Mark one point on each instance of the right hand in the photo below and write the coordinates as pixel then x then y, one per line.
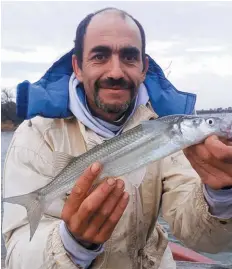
pixel 91 216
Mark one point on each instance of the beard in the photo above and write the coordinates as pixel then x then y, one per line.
pixel 111 108
pixel 108 84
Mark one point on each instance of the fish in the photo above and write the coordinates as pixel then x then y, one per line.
pixel 125 154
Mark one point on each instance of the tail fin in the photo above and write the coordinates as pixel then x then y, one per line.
pixel 35 206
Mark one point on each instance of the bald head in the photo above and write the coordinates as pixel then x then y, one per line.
pixel 111 11
pixel 113 15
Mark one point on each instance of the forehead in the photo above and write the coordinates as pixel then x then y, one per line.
pixel 110 29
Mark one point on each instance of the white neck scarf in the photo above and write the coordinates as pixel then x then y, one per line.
pixel 80 110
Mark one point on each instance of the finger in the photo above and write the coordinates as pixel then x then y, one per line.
pixel 210 175
pixel 219 149
pixel 206 178
pixel 108 227
pixel 89 207
pixel 104 212
pixel 202 152
pixel 93 187
pixel 229 142
pixel 80 190
pixel 204 157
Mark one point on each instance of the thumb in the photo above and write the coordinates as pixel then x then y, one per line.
pixel 218 149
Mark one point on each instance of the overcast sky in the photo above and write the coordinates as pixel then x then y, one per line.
pixel 194 37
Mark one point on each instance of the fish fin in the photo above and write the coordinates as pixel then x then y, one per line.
pixel 151 125
pixel 136 177
pixel 35 206
pixel 61 160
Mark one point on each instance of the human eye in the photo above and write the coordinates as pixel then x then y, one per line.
pixel 100 57
pixel 130 58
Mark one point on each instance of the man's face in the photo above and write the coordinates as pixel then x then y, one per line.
pixel 112 67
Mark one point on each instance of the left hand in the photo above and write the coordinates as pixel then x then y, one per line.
pixel 212 160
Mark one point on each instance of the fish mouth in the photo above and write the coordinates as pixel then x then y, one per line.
pixel 227 129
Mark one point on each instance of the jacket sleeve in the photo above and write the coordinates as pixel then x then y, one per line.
pixel 185 209
pixel 219 201
pixel 78 253
pixel 28 167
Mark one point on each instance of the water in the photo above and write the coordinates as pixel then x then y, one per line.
pixel 5 141
pixel 224 257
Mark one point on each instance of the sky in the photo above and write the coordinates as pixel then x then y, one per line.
pixel 191 41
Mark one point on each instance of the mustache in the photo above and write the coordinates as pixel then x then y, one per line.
pixel 113 83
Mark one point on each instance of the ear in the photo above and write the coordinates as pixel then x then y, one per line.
pixel 77 70
pixel 146 66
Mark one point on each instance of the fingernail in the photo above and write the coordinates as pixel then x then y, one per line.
pixel 125 195
pixel 120 184
pixel 95 167
pixel 111 181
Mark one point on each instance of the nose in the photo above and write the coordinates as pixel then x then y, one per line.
pixel 116 71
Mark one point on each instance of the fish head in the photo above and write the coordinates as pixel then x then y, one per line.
pixel 197 128
pixel 226 126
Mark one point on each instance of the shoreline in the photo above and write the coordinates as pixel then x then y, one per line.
pixel 8 126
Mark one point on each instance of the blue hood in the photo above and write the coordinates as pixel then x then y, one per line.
pixel 49 96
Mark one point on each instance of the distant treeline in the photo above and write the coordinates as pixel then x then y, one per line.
pixel 8 111
pixel 215 110
pixel 9 119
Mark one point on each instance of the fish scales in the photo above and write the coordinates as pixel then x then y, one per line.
pixel 103 152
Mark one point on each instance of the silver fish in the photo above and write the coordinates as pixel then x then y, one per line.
pixel 127 153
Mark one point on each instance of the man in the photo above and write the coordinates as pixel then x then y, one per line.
pixel 110 87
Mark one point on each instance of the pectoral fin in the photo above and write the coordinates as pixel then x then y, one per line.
pixel 61 160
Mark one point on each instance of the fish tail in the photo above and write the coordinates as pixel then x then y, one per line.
pixel 34 203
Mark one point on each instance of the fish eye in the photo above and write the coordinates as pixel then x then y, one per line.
pixel 210 121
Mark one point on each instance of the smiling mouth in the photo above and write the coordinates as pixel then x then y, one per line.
pixel 114 88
